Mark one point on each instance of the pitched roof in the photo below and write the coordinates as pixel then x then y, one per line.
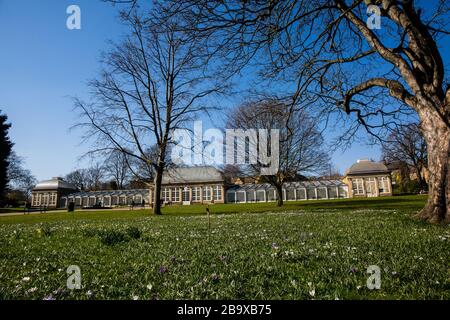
pixel 109 193
pixel 192 175
pixel 54 184
pixel 367 167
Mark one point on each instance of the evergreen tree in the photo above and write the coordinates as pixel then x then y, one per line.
pixel 5 151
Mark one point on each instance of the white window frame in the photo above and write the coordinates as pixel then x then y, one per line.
pixel 196 194
pixel 207 193
pixel 358 186
pixel 383 184
pixel 52 201
pixel 165 194
pixel 217 191
pixel 175 195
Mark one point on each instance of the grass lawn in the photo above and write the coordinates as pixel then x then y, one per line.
pixel 307 250
pixel 10 210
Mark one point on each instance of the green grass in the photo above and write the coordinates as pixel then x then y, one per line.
pixel 309 250
pixel 411 203
pixel 10 210
pixel 20 210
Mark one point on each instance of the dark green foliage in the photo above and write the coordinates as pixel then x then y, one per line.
pixel 407 187
pixel 112 237
pixel 5 151
pixel 133 232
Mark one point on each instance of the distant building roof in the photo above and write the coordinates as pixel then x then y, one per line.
pixel 192 175
pixel 289 185
pixel 365 166
pixel 110 193
pixel 54 184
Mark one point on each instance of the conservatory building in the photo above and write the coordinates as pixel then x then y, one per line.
pixel 368 178
pixel 186 185
pixel 107 199
pixel 50 192
pixel 206 184
pixel 292 191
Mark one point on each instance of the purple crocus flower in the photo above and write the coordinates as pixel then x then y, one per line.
pixel 215 277
pixel 163 269
pixel 353 270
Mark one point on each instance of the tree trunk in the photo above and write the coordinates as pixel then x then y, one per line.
pixel 422 182
pixel 157 195
pixel 437 136
pixel 279 190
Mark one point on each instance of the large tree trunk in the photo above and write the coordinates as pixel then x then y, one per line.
pixel 437 136
pixel 157 195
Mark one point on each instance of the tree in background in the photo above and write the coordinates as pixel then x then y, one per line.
pixel 89 179
pixel 407 147
pixel 5 152
pixel 152 83
pixel 117 169
pixel 231 172
pixel 95 177
pixel 332 172
pixel 302 149
pixel 20 180
pixel 78 179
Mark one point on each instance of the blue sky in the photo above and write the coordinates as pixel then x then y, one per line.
pixel 43 64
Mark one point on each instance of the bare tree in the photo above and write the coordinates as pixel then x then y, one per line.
pixel 116 167
pixel 89 179
pixel 231 172
pixel 153 82
pixel 301 148
pixel 78 179
pixel 406 145
pixel 95 176
pixel 377 77
pixel 20 178
pixel 15 168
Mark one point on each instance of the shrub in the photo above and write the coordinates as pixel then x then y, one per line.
pixel 112 237
pixel 133 232
pixel 408 187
